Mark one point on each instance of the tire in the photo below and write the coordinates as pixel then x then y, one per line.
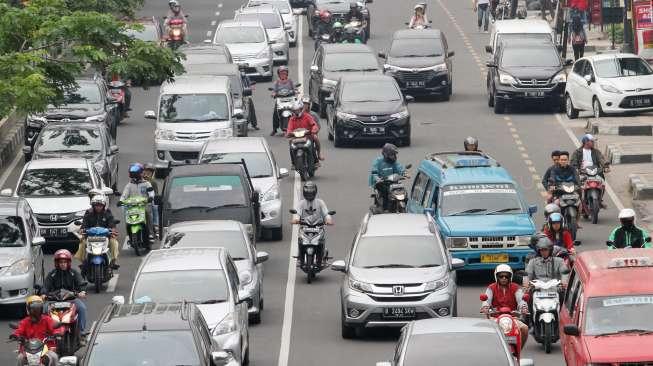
pixel 596 108
pixel 547 339
pixel 454 312
pixel 309 264
pixel 499 107
pixel 276 233
pixel 401 207
pixel 594 207
pixel 446 97
pixel 337 142
pixel 255 318
pixel 246 355
pixel 97 278
pixel 405 141
pixel 572 225
pixel 330 136
pixel 321 107
pixel 572 113
pixel 252 114
pixel 347 332
pixel 133 240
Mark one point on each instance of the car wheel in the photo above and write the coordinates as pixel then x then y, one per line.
pixel 572 113
pixel 348 332
pixel 322 108
pixel 596 108
pixel 499 106
pixel 405 141
pixel 276 233
pixel 255 318
pixel 330 135
pixel 336 140
pixel 246 355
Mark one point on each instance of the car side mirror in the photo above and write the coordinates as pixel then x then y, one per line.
pixel 369 1
pixel 243 297
pixel 112 100
pixel 569 62
pixel 451 53
pixel 532 209
pixel 287 27
pixel 272 41
pixel 488 49
pixel 329 100
pixel 315 68
pixel 588 79
pixel 384 363
pixel 283 172
pixel 331 213
pixel 149 115
pixel 113 149
pixel 490 64
pixel 238 114
pixel 107 191
pixel 6 192
pixel 262 257
pixel 27 150
pixel 68 361
pixel 37 241
pixel 457 263
pixel 409 98
pixel 382 55
pixel 571 329
pixel 339 266
pixel 247 92
pixel 118 300
pixel 299 11
pixel 220 358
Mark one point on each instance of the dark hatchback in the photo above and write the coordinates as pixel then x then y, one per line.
pixel 211 192
pixel 368 107
pixel 421 62
pixel 526 71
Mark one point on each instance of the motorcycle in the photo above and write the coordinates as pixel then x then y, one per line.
pixel 64 312
pixel 567 198
pixel 98 257
pixel 311 240
pixel 284 100
pixel 397 194
pixel 592 190
pixel 135 217
pixel 611 246
pixel 502 11
pixel 354 32
pixel 176 32
pixel 505 318
pixel 117 90
pixel 36 351
pixel 302 149
pixel 545 310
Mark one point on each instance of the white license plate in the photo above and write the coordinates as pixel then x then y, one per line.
pixel 415 84
pixel 640 102
pixel 399 312
pixel 534 94
pixel 546 294
pixel 58 232
pixel 374 130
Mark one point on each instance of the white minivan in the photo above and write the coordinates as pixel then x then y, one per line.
pixel 518 28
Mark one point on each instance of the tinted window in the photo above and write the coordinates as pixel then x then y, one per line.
pixel 148 34
pixel 422 349
pixel 530 57
pixel 480 199
pixel 416 48
pixel 373 91
pixel 618 314
pixel 240 35
pixel 398 251
pixel 174 286
pixel 69 140
pixel 206 191
pixel 620 67
pixel 520 36
pixel 258 163
pixel 55 182
pixel 87 93
pixel 193 108
pixel 578 67
pixel 269 20
pixel 144 348
pixel 232 240
pixel 12 232
pixel 359 61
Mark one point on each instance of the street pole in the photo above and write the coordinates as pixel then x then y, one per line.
pixel 628 28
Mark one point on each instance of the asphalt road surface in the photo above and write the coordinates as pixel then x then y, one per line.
pixel 301 322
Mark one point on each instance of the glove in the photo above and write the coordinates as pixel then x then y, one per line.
pixel 13 337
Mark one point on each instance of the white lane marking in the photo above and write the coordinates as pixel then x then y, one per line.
pixel 208 33
pixel 10 169
pixel 217 13
pixel 286 329
pixel 111 286
pixel 574 139
pixel 125 244
pixel 213 23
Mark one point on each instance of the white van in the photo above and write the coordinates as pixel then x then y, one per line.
pixel 191 110
pixel 519 28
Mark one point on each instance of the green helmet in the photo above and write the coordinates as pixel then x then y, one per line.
pixel 337 25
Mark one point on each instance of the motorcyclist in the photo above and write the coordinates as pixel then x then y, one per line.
pixel 283 82
pixel 384 166
pixel 174 12
pixel 545 265
pixel 307 109
pixel 137 186
pixel 337 32
pixel 128 92
pixel 148 175
pixel 324 23
pixel 555 157
pixel 63 276
pixel 310 208
pixel 548 210
pixel 558 234
pixel 628 235
pixel 563 173
pixel 99 216
pixel 300 119
pixel 588 155
pixel 471 144
pixel 419 17
pixel 35 326
pixel 355 13
pixel 504 293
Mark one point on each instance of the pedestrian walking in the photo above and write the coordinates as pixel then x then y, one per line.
pixel 578 37
pixel 482 9
pixel 547 5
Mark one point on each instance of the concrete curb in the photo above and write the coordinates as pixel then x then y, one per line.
pixel 641 186
pixel 619 126
pixel 12 140
pixel 629 153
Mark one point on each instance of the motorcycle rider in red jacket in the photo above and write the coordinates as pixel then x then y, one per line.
pixel 35 326
pixel 300 119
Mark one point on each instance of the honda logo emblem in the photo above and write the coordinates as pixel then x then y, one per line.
pixel 373 118
pixel 398 290
pixel 54 217
pixel 65 120
pixel 638 90
pixel 192 137
pixel 534 81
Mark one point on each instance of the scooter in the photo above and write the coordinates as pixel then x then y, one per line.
pixel 566 196
pixel 284 101
pixel 64 312
pixel 302 150
pixel 36 351
pixel 176 32
pixel 135 217
pixel 117 90
pixel 311 240
pixel 98 257
pixel 505 318
pixel 545 310
pixel 354 32
pixel 397 194
pixel 592 190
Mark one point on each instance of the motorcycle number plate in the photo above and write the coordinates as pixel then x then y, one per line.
pixel 549 294
pixel 399 312
pixel 568 197
pixel 494 258
pixel 60 305
pixel 415 84
pixel 54 232
pixel 374 130
pixel 310 230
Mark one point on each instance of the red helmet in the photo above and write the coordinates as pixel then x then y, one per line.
pixel 325 16
pixel 65 255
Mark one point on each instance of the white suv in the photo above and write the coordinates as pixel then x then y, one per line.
pixel 274 27
pixel 609 83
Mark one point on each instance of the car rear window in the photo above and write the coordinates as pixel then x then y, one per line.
pixel 210 191
pixel 422 349
pixel 144 348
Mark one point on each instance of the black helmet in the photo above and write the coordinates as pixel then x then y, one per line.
pixel 353 6
pixel 309 191
pixel 389 153
pixel 469 141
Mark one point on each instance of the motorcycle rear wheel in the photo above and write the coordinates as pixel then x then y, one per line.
pixel 594 210
pixel 310 271
pixel 98 272
pixel 135 243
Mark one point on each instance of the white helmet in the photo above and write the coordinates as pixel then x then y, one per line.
pixel 419 6
pixel 298 108
pixel 502 268
pixel 551 208
pixel 627 213
pixel 99 199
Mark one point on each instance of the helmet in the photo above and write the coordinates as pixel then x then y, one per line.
pixel 148 166
pixel 470 141
pixel 419 7
pixel 353 6
pixel 325 16
pixel 309 191
pixel 298 108
pixel 99 199
pixel 337 25
pixel 555 217
pixel 389 152
pixel 551 208
pixel 281 69
pixel 587 137
pixel 544 243
pixel 627 213
pixel 135 170
pixel 172 3
pixel 502 268
pixel 34 302
pixel 63 254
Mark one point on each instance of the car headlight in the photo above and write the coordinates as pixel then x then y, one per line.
pixel 80 213
pixel 506 79
pixel 360 286
pixel 226 325
pixel 98 118
pixel 456 242
pixel 344 115
pixel 436 285
pixel 223 132
pixel 523 241
pixel 329 83
pixel 245 277
pixel 271 195
pixel 560 77
pixel 35 121
pixel 19 267
pixel 265 53
pixel 163 134
pixel 440 67
pixel 401 114
pixel 610 89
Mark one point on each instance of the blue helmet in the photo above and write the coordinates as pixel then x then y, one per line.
pixel 587 137
pixel 555 217
pixel 135 170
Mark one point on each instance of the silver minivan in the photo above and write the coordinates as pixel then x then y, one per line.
pixel 249 46
pixel 274 27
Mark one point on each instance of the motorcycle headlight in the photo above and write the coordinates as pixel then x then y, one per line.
pixel 505 324
pixel 568 189
pixel 271 195
pixel 265 53
pixel 401 114
pixel 610 89
pixel 226 325
pixel 560 77
pixel 456 242
pixel 343 115
pixel 436 285
pixel 506 79
pixel 98 118
pixel 176 32
pixel 223 132
pixel 35 121
pixel 328 83
pixel 17 268
pixel 163 134
pixel 245 277
pixel 547 304
pixel 360 286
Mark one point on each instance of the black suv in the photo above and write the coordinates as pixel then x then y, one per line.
pixel 90 102
pixel 152 334
pixel 420 61
pixel 526 71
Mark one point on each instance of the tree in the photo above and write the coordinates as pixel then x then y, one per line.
pixel 46 44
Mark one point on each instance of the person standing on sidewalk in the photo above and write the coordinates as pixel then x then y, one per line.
pixel 578 37
pixel 547 5
pixel 481 7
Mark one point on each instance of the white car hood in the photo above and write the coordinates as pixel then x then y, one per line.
pixel 214 313
pixel 10 255
pixel 276 33
pixel 246 48
pixel 263 185
pixel 630 82
pixel 194 126
pixel 288 19
pixel 52 205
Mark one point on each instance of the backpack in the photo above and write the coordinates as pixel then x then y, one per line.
pixel 577 39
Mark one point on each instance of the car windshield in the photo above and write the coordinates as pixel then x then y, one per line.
pixel 398 251
pixel 350 61
pixel 148 34
pixel 86 93
pixel 206 191
pixel 175 286
pixel 488 348
pixel 622 67
pixel 232 240
pixel 139 348
pixel 203 58
pixel 185 108
pixel 530 57
pixel 12 231
pixel 619 314
pixel 416 47
pixel 370 91
pixel 258 163
pixel 240 35
pixel 501 37
pixel 207 68
pixel 480 199
pixel 269 20
pixel 55 182
pixel 69 140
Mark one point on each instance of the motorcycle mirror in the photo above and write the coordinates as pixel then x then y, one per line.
pixel 577 242
pixel 648 240
pixel 220 358
pixel 271 89
pixel 406 23
pixel 332 213
pixel 262 257
pixel 298 85
pixel 409 166
pixel 483 297
pixel 571 330
pixel 293 211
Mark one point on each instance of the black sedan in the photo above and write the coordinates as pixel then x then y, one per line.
pixel 368 107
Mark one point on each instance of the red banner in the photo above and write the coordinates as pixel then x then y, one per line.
pixel 642 15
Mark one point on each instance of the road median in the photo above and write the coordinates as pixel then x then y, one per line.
pixel 12 130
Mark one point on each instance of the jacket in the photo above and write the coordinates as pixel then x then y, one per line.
pixel 564 240
pixel 633 237
pixel 39 330
pixel 577 158
pixel 547 176
pixel 511 297
pixel 283 84
pixel 105 219
pixel 137 189
pixel 70 280
pixel 566 174
pixel 381 169
pixel 549 268
pixel 304 121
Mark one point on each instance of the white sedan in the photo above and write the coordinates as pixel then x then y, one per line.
pixel 289 19
pixel 609 84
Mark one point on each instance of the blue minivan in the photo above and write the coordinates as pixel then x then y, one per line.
pixel 478 207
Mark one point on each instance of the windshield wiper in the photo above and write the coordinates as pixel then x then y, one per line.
pixel 188 208
pixel 221 206
pixel 61 151
pixel 238 258
pixel 502 210
pixel 469 211
pixel 626 331
pixel 429 265
pixel 212 301
pixel 260 176
pixel 391 265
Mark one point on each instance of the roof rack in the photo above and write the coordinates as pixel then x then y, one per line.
pixel 440 158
